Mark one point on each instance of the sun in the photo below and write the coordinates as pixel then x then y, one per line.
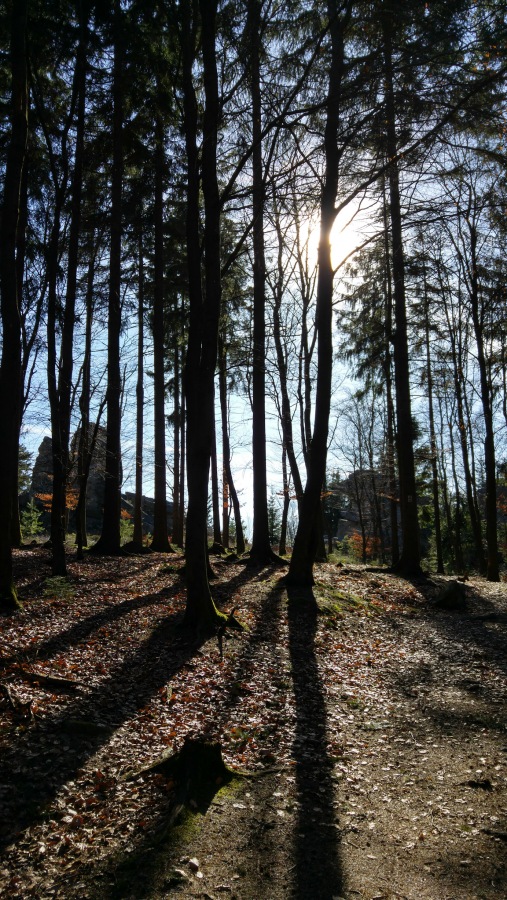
pixel 348 235
pixel 350 232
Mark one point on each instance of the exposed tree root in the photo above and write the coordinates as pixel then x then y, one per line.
pixel 267 558
pixel 198 772
pixel 52 681
pixel 136 548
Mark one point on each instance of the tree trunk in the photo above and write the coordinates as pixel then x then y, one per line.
pixel 137 536
pixel 391 418
pixel 61 400
pixel 201 613
pixel 410 559
pixel 445 490
pixel 493 572
pixel 57 531
pixel 160 540
pixel 177 535
pixel 260 552
pixel 282 547
pixel 281 358
pixel 305 544
pixel 458 517
pixel 109 541
pixel 215 498
pixel 433 438
pixel 84 455
pixel 457 350
pixel 10 368
pixel 226 449
pixel 182 473
pixel 20 271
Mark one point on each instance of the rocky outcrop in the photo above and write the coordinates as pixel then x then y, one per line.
pixel 41 487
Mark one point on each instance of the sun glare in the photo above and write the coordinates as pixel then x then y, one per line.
pixel 348 234
pixel 344 240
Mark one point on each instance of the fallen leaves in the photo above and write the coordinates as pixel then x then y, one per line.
pixel 111 684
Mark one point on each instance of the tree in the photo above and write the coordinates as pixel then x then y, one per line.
pixel 10 366
pixel 410 559
pixel 137 536
pixel 160 540
pixel 201 613
pixel 229 485
pixel 471 215
pixel 60 367
pixel 274 518
pixel 305 544
pixel 260 552
pixel 109 541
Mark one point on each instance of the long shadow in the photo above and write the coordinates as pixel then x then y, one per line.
pixel 154 856
pixel 318 863
pixel 461 707
pixel 480 627
pixel 36 767
pixel 83 628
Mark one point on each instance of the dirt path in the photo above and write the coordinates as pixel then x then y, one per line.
pixel 404 794
pixel 376 725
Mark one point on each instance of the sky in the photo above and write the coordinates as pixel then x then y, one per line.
pixel 346 236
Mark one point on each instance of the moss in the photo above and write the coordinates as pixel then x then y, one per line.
pixel 336 603
pixel 155 867
pixel 58 587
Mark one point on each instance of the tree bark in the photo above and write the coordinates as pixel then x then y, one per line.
pixel 458 516
pixel 410 559
pixel 215 498
pixel 391 418
pixel 10 367
pixel 61 386
pixel 109 541
pixel 160 540
pixel 281 358
pixel 433 438
pixel 84 447
pixel 305 544
pixel 137 536
pixel 20 271
pixel 260 552
pixel 457 349
pixel 282 546
pixel 226 450
pixel 493 571
pixel 200 613
pixel 178 445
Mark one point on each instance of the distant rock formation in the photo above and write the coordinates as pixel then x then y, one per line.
pixel 96 477
pixel 41 487
pixel 42 475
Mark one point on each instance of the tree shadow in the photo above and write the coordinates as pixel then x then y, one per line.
pixel 36 767
pixel 151 866
pixel 43 757
pixel 452 691
pixel 318 863
pixel 84 628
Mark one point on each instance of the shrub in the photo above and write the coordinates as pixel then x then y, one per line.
pixel 31 521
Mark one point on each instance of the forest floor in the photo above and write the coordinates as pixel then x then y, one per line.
pixel 373 726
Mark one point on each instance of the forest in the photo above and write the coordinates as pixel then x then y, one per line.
pixel 172 175
pixel 264 237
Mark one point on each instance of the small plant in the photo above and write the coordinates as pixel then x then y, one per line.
pixel 31 521
pixel 126 527
pixel 58 587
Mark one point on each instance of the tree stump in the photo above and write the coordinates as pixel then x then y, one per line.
pixel 198 772
pixel 452 597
